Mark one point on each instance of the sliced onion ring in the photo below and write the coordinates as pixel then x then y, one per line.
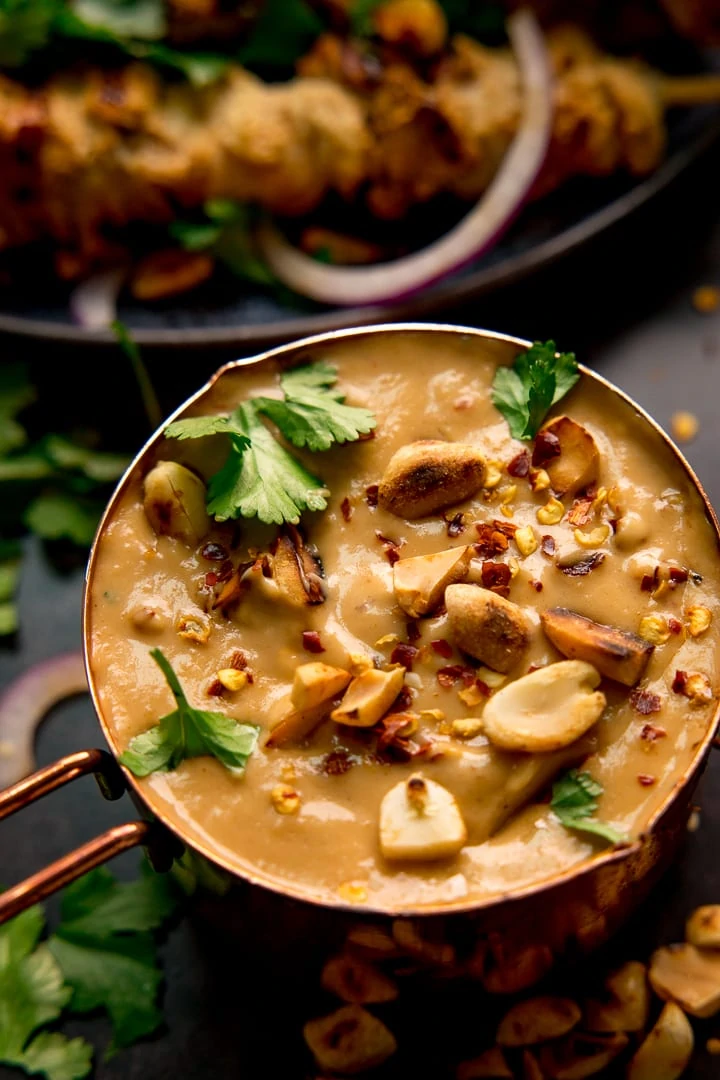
pixel 470 238
pixel 93 303
pixel 26 701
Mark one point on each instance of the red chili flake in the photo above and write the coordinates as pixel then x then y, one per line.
pixel 581 511
pixel 465 401
pixel 483 687
pixel 456 525
pixel 392 548
pixel 337 763
pixel 496 577
pixel 492 541
pixel 216 688
pixel 519 467
pixel 366 436
pixel 346 509
pixel 648 582
pixel 442 648
pixel 371 496
pixel 238 660
pixel 679 684
pixel 646 780
pixel 403 701
pixel 583 566
pixel 311 641
pixel 645 702
pixel 674 625
pixel 537 586
pixel 533 667
pixel 413 631
pixel 227 569
pixel 405 655
pixel 448 676
pixel 547 545
pixel 651 732
pixel 678 575
pixel 211 579
pixel 389 729
pixel 547 447
pixel 214 552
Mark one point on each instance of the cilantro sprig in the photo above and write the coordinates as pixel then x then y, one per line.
pixel 260 478
pixel 187 732
pixel 102 955
pixel 574 801
pixel 525 392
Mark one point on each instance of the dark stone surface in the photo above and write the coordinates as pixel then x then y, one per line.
pixel 624 304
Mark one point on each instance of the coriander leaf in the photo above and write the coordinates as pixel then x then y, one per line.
pixel 574 800
pixel 118 973
pixel 195 236
pixel 283 31
pixel 229 237
pixel 57 516
pixel 96 465
pixel 187 732
pixel 125 18
pixel 536 381
pixel 199 68
pixel 25 26
pixel 198 427
pixel 312 414
pixel 32 993
pixel 15 391
pixel 57 1057
pixel 96 903
pixel 262 480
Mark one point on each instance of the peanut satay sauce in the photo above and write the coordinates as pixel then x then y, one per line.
pixel 420 386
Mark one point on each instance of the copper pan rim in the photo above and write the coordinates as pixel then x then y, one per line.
pixel 251 875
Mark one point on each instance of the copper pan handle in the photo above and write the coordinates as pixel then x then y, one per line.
pixel 99 850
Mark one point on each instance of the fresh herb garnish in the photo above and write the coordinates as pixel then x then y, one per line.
pixel 260 478
pixel 101 956
pixel 227 234
pixel 525 392
pixel 33 993
pixel 106 949
pixel 282 32
pixel 187 732
pixel 132 26
pixel 574 800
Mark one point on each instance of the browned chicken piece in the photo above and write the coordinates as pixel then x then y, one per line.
pixel 92 152
pixel 102 149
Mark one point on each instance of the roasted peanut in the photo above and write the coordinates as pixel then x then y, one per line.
pixel 420 819
pixel 174 502
pixel 426 476
pixel 688 976
pixel 420 582
pixel 666 1052
pixel 349 1041
pixel 578 462
pixel 615 653
pixel 538 1020
pixel 487 626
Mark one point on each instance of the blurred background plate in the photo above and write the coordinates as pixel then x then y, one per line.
pixel 232 314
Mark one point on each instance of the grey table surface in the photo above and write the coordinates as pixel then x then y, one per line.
pixel 624 304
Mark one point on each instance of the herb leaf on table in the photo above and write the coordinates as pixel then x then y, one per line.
pixel 574 801
pixel 106 950
pixel 32 994
pixel 187 732
pixel 537 380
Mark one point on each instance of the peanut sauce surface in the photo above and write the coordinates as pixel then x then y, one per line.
pixel 420 386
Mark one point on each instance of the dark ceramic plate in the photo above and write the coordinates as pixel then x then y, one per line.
pixel 229 313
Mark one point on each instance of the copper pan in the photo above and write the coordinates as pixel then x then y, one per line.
pixel 507 942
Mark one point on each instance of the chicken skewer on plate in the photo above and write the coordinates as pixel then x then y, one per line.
pixel 93 151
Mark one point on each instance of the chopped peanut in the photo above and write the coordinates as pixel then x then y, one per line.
pixel 698 619
pixel 354 892
pixel 698 688
pixel 285 799
pixel 232 679
pixel 551 513
pixel 194 628
pixel 467 728
pixel 493 475
pixel 539 479
pixel 654 629
pixel 471 696
pixel 526 540
pixel 387 639
pixel 594 538
pixel 507 494
pixel 685 426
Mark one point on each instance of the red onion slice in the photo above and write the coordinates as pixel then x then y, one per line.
pixel 26 701
pixel 93 303
pixel 475 234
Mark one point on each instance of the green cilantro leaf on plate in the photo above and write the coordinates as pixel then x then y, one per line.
pixel 32 994
pixel 107 952
pixel 56 515
pixel 187 732
pixel 525 392
pixel 574 801
pixel 16 393
pixel 145 19
pixel 25 27
pixel 227 234
pixel 262 480
pixel 313 414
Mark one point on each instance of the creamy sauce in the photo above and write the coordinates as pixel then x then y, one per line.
pixel 420 386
